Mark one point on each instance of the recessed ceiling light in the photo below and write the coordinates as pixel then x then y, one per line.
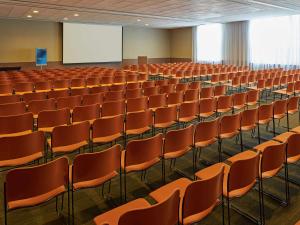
pixel 66 18
pixel 29 16
pixel 139 20
pixel 76 14
pixel 146 24
pixel 35 11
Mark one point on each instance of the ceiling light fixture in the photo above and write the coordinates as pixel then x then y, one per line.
pixel 139 20
pixel 76 14
pixel 35 11
pixel 271 5
pixel 29 16
pixel 146 24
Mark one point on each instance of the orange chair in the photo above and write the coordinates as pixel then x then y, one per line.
pixel 69 102
pixel 195 85
pixel 148 84
pixel 32 186
pixel 252 98
pixel 92 99
pixel 207 92
pixel 224 104
pixel 61 85
pixel 134 85
pixel 6 89
pixel 182 87
pixel 134 93
pixel 38 106
pixel 175 98
pixel 187 112
pixel 42 86
pixel 136 104
pixel 20 150
pixel 58 94
pixel 49 119
pixel 107 129
pixel 77 83
pixel 92 82
pixel 176 144
pixel 249 121
pixel 206 134
pixel 23 88
pixel 100 89
pixel 166 89
pixel 165 117
pixel 279 112
pixel 292 108
pixel 148 91
pixel 69 138
pixel 229 126
pixel 140 155
pixel 114 96
pixel 28 97
pixel 265 115
pixel 80 91
pixel 239 101
pixel 91 170
pixel 86 113
pixel 207 108
pixel 9 99
pixel 157 101
pixel 12 109
pixel 16 125
pixel 110 109
pixel 220 90
pixel 191 95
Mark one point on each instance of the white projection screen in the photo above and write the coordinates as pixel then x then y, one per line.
pixel 91 43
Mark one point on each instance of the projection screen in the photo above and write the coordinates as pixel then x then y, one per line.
pixel 91 43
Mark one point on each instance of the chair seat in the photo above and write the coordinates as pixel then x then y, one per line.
pixel 176 154
pixel 270 173
pixel 112 217
pixel 283 137
pixel 223 110
pixel 279 116
pixel 208 172
pixel 248 127
pixel 262 146
pixel 264 121
pixel 33 201
pixel 67 148
pixel 206 115
pixel 228 135
pixel 296 130
pixel 107 138
pixel 21 160
pixel 137 131
pixel 16 134
pixel 186 119
pixel 202 144
pixel 46 129
pixel 164 125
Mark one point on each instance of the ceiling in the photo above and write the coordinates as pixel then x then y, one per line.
pixel 152 13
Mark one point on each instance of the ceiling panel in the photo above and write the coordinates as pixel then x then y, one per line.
pixel 155 13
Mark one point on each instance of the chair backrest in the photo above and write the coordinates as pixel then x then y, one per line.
pixel 203 194
pixel 207 92
pixel 239 99
pixel 42 86
pixel 10 99
pixel 273 157
pixel 191 95
pixel 280 107
pixel 138 120
pixel 207 105
pixel 136 104
pixel 265 112
pixel 195 85
pixel 34 96
pixel 108 126
pixel 169 88
pixel 163 213
pixel 24 87
pixel 22 149
pixel 34 181
pixel 84 113
pixel 70 134
pixel 156 101
pixel 175 98
pixel 224 102
pixel 53 118
pixel 182 87
pixel 147 84
pixel 229 124
pixel 188 109
pixel 58 94
pixel 77 82
pixel 113 108
pixel 206 131
pixel 145 150
pixel 165 115
pixel 98 165
pixel 12 109
pixel 179 140
pixel 249 117
pixel 133 93
pixel 6 89
pixel 293 145
pixel 243 172
pixel 92 99
pixel 79 91
pixel 135 85
pixel 16 124
pixel 38 106
pixel 69 102
pixel 219 90
pixel 61 84
pixel 252 96
pixel 293 104
pixel 114 96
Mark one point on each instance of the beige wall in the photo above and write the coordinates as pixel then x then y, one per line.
pixel 154 43
pixel 18 40
pixel 181 43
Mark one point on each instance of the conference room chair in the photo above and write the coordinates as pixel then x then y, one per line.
pixel 13 109
pixel 92 82
pixel 133 78
pixel 98 89
pixel 107 80
pixel 206 134
pixel 241 173
pixel 86 113
pixel 176 144
pixel 141 155
pixel 148 84
pixel 63 84
pixel 161 82
pixel 119 79
pixel 220 90
pixel 173 81
pixel 136 104
pixel 77 83
pixel 16 125
pixel 182 87
pixel 292 108
pixel 239 101
pixel 229 127
pixel 139 211
pixel 5 99
pixel 287 92
pixel 175 98
pixel 207 108
pixel 34 96
pixel 166 89
pixel 114 108
pixel 49 119
pixel 91 99
pixel 235 83
pixel 6 89
pixel 107 130
pixel 252 98
pixel 265 115
pixel 279 112
pixel 69 138
pixel 223 78
pixel 32 186
pixel 58 94
pixel 114 96
pixel 207 92
pixel 134 93
pixel 20 150
pixel 165 118
pixel 157 101
pixel 149 91
pixel 42 86
pixel 214 79
pixel 37 106
pixel 297 87
pixel 224 104
pixel 23 87
pixel 195 85
pixel 69 102
pixel 91 170
pixel 191 95
pixel 272 160
pixel 80 91
pixel 249 122
pixel 283 81
pixel 133 85
pixel 187 112
pixel 117 87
